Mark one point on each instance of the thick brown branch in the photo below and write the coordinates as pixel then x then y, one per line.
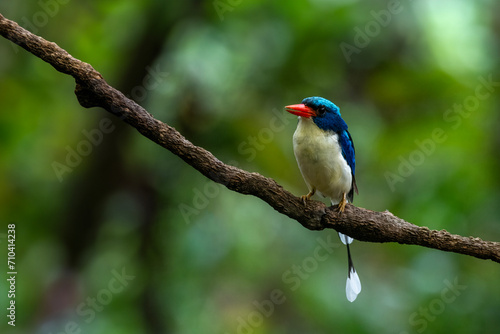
pixel 362 224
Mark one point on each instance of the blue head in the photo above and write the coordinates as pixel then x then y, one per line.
pixel 324 113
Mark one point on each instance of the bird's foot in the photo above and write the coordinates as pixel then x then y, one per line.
pixel 342 204
pixel 307 197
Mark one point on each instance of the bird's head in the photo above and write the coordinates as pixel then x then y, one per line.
pixel 324 113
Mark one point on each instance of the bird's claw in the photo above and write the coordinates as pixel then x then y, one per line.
pixel 307 197
pixel 304 199
pixel 342 204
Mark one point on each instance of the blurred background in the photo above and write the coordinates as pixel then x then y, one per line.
pixel 117 235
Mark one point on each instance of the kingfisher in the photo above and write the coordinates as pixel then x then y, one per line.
pixel 325 154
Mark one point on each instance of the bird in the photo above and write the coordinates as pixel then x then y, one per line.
pixel 325 154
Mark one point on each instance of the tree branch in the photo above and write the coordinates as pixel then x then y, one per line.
pixel 362 224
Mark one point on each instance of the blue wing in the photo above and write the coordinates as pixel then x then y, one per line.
pixel 348 153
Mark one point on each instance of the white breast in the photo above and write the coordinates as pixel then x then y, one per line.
pixel 320 160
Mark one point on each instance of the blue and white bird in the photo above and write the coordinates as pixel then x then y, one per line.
pixel 325 154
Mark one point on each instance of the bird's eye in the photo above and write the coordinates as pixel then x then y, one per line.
pixel 321 110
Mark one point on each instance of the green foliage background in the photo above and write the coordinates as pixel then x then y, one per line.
pixel 204 259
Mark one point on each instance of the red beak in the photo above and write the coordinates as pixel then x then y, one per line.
pixel 300 110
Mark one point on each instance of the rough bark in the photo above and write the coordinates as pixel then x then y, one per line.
pixel 362 224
